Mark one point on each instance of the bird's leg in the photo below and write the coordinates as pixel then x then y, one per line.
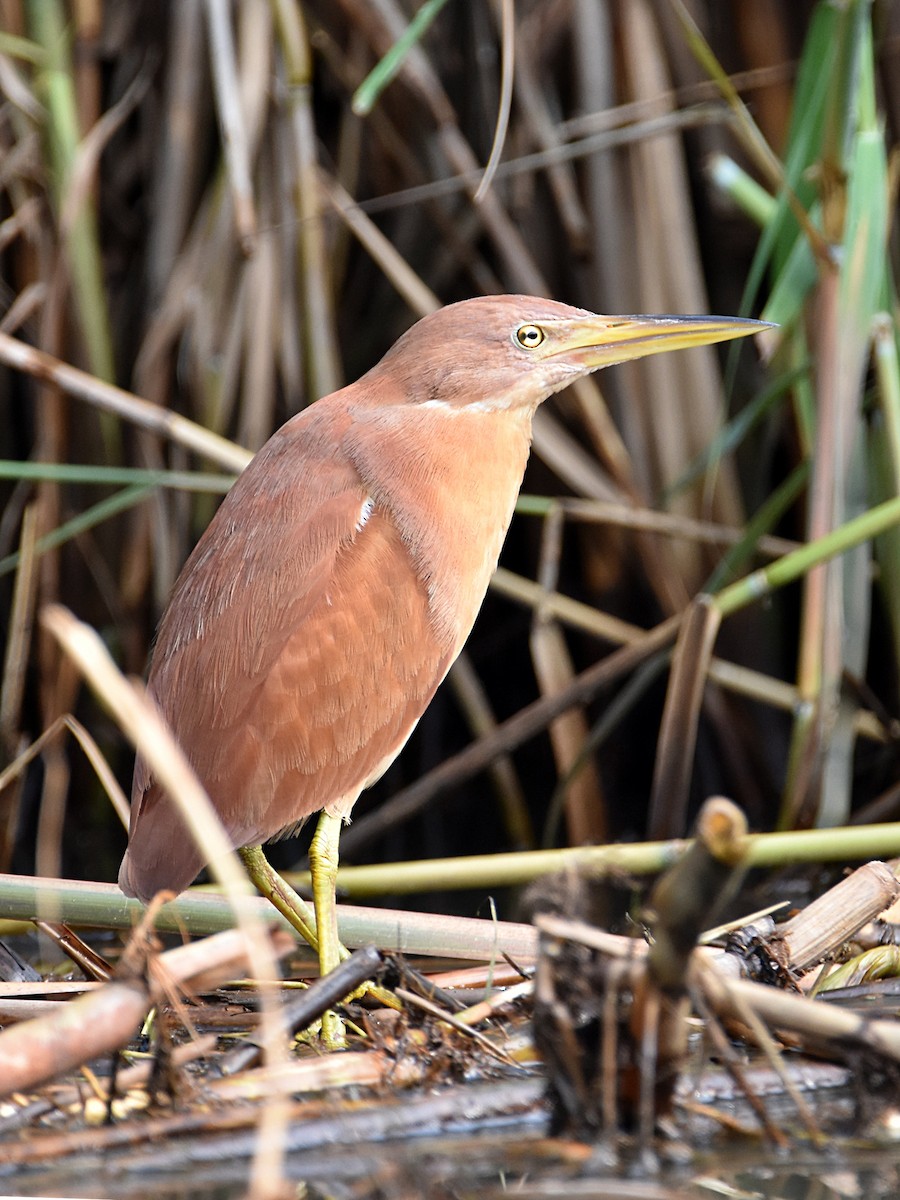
pixel 277 891
pixel 323 865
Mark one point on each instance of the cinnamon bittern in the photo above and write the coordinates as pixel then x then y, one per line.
pixel 342 574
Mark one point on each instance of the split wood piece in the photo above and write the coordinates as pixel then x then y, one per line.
pixel 832 919
pixel 36 1051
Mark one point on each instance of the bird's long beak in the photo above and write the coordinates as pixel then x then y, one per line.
pixel 596 341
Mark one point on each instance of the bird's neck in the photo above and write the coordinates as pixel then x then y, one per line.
pixel 449 478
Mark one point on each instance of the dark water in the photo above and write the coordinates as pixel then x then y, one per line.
pixel 353 1157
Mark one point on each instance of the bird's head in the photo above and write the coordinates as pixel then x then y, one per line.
pixel 506 352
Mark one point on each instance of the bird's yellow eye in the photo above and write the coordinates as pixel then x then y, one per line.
pixel 529 337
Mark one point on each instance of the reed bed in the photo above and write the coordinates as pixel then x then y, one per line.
pixel 205 225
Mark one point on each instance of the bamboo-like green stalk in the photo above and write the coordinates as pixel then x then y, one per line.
pixel 102 905
pixel 887 374
pixel 790 568
pixel 836 601
pixel 366 95
pixel 844 844
pixel 744 191
pixel 887 463
pixel 22 48
pixel 102 476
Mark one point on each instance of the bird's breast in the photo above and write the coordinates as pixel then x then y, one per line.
pixel 449 478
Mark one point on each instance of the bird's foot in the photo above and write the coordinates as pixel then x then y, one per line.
pixel 333 1032
pixel 374 991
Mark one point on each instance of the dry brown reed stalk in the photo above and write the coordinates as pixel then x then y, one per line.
pixel 472 699
pixel 585 807
pixel 18 635
pixel 681 717
pixel 686 393
pixel 92 752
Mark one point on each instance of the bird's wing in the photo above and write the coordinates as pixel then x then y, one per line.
pixel 293 663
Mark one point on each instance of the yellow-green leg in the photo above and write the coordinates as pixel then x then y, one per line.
pixel 277 891
pixel 323 862
pixel 323 865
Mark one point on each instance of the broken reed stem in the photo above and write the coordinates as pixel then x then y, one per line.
pixel 677 741
pixel 837 915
